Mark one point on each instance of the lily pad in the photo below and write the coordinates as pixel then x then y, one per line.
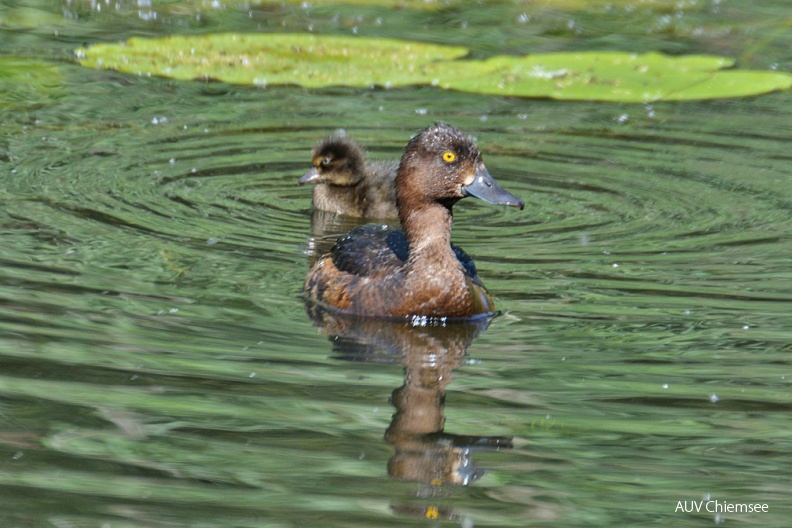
pixel 615 76
pixel 261 59
pixel 316 61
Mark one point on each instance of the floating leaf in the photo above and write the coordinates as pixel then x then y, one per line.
pixel 320 61
pixel 615 76
pixel 400 4
pixel 733 83
pixel 261 59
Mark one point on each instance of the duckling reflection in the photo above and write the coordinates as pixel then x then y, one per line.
pixel 423 452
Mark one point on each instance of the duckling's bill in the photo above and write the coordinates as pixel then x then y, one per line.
pixel 310 176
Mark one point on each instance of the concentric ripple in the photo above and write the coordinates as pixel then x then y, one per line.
pixel 152 321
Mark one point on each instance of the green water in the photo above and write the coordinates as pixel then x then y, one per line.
pixel 158 367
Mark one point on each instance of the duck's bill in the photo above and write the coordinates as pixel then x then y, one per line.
pixel 309 177
pixel 486 188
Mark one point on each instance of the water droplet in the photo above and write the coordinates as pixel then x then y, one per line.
pixel 421 111
pixel 714 398
pixel 665 385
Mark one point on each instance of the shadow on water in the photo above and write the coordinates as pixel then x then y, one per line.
pixel 424 453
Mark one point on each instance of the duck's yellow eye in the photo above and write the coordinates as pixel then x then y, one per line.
pixel 448 156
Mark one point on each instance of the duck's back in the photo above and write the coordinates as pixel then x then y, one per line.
pixel 378 190
pixel 380 250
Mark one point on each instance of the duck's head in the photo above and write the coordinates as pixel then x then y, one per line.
pixel 441 164
pixel 336 160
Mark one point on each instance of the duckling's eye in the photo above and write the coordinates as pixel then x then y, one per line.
pixel 327 160
pixel 449 156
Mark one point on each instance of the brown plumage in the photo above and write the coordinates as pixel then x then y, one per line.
pixel 348 184
pixel 367 274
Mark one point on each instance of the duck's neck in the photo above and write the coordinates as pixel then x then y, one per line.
pixel 428 230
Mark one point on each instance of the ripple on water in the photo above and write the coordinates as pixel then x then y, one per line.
pixel 165 271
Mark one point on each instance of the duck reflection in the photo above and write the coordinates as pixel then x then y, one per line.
pixel 423 452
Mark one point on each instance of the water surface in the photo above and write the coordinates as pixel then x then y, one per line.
pixel 158 367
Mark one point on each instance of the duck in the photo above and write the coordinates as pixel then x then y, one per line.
pixel 414 273
pixel 346 183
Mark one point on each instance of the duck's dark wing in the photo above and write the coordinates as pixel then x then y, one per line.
pixel 366 252
pixel 375 250
pixel 467 263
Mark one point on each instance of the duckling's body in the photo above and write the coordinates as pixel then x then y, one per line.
pixel 368 273
pixel 348 184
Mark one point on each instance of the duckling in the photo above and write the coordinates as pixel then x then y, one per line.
pixel 366 274
pixel 348 184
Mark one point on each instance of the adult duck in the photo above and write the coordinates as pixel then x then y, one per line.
pixel 367 274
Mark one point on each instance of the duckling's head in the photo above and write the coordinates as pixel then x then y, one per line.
pixel 443 165
pixel 336 160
